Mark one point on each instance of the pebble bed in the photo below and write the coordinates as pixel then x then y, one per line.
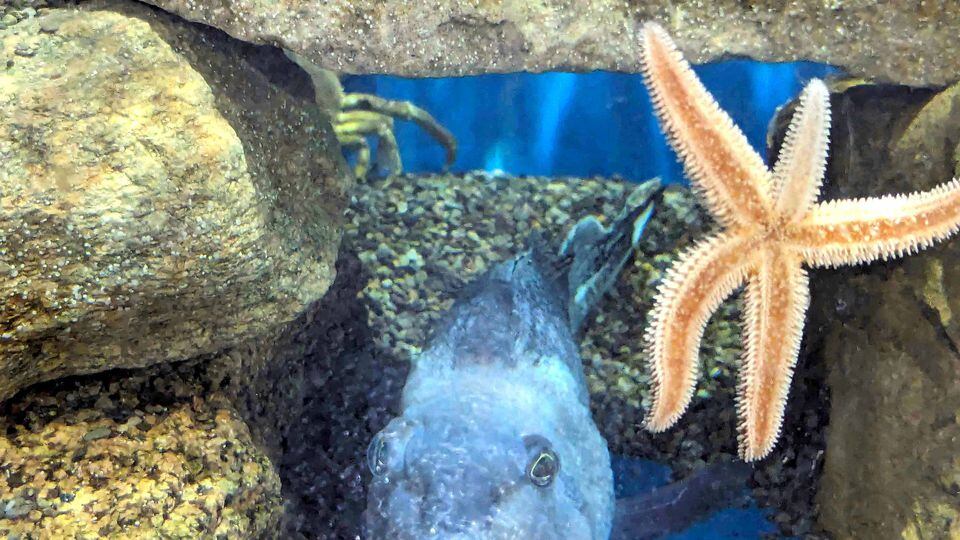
pixel 14 11
pixel 132 454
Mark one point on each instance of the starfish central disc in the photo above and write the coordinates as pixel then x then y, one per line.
pixel 772 226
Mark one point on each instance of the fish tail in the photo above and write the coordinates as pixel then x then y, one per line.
pixel 596 254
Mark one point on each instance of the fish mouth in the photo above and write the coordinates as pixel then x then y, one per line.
pixel 409 516
pixel 419 522
pixel 437 509
pixel 444 505
pixel 468 470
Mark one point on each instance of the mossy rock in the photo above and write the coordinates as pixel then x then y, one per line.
pixel 886 332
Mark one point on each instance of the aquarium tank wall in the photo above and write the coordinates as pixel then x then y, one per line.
pixel 479 270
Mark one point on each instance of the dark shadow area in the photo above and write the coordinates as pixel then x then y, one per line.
pixel 351 390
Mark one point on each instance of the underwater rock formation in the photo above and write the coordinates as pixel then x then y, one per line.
pixel 165 192
pixel 132 455
pixel 888 332
pixel 887 41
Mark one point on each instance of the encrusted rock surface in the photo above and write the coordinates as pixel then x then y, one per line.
pixel 893 41
pixel 166 191
pixel 888 333
pixel 146 454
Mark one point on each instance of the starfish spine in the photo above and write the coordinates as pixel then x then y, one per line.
pixel 777 297
pixel 803 154
pixel 722 167
pixel 772 227
pixel 703 277
pixel 856 231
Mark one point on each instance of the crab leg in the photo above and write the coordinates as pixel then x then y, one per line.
pixel 405 111
pixel 354 124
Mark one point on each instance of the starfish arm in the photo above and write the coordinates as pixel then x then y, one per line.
pixel 798 173
pixel 689 294
pixel 777 297
pixel 853 231
pixel 719 161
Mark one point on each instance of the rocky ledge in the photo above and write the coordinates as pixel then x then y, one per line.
pixel 893 41
pixel 146 454
pixel 887 333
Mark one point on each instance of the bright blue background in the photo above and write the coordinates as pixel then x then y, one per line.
pixel 577 124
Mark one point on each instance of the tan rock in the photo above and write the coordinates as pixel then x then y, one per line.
pixel 887 332
pixel 165 192
pixel 892 41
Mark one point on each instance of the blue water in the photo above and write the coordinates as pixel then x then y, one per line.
pixel 574 124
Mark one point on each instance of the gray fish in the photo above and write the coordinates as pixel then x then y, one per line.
pixel 495 439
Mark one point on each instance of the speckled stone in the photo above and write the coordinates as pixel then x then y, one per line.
pixel 166 191
pixel 894 41
pixel 14 11
pixel 132 455
pixel 888 332
pixel 298 402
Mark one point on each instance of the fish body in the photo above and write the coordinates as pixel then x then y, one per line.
pixel 495 439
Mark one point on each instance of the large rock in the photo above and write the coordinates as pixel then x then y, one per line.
pixel 889 333
pixel 165 192
pixel 902 42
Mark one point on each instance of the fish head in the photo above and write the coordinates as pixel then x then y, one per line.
pixel 480 468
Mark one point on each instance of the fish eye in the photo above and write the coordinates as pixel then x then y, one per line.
pixel 377 455
pixel 387 449
pixel 544 464
pixel 543 468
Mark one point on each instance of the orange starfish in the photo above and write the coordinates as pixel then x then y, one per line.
pixel 771 227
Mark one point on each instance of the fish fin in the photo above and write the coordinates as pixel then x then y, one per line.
pixel 596 254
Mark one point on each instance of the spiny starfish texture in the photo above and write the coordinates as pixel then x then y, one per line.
pixel 771 226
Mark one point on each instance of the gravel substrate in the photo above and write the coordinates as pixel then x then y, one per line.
pixel 419 239
pixel 147 453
